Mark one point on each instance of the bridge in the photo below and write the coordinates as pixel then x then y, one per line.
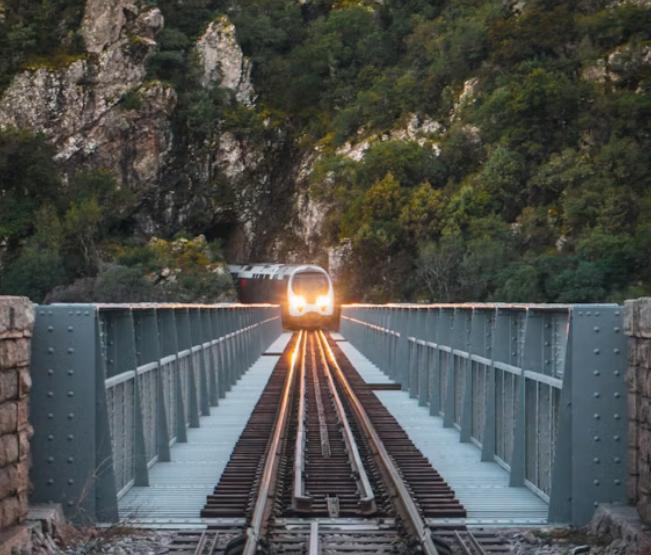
pixel 519 410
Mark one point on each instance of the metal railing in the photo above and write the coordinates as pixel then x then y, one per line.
pixel 539 389
pixel 115 386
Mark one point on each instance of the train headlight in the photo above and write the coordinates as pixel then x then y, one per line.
pixel 297 302
pixel 324 302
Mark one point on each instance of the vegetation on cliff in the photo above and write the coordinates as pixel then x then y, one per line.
pixel 526 176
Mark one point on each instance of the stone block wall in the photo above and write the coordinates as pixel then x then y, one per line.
pixel 637 325
pixel 16 323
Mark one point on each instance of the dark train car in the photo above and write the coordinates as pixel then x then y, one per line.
pixel 304 292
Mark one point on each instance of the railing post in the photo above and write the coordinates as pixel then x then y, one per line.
pixel 219 332
pixel 212 365
pixel 451 389
pixel 148 351
pixel 127 344
pixel 169 338
pixel 198 340
pixel 488 432
pixel 434 363
pixel 519 453
pixel 423 367
pixel 185 344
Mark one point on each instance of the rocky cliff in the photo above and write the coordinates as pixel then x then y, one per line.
pixel 100 111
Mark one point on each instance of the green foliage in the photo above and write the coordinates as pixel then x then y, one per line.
pixel 28 178
pixel 119 284
pixel 38 29
pixel 535 187
pixel 410 163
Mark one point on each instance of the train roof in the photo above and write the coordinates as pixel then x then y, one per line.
pixel 270 271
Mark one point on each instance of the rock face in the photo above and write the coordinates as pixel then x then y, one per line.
pixel 622 63
pixel 99 111
pixel 78 106
pixel 221 60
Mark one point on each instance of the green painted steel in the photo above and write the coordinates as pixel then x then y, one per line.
pixel 539 389
pixel 114 386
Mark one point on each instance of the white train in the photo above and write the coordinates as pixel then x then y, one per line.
pixel 304 292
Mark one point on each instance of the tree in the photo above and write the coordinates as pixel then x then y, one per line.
pixel 438 267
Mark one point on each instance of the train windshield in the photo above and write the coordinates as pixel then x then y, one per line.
pixel 310 285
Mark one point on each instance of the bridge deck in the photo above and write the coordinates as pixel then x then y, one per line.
pixel 178 489
pixel 483 487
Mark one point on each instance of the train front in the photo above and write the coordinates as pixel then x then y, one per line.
pixel 310 299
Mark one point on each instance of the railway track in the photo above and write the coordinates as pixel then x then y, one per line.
pixel 323 468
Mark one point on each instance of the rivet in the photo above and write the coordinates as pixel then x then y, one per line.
pixel 50 394
pixel 616 351
pixel 50 350
pixel 50 372
pixel 616 329
pixel 596 329
pixel 50 481
pixel 71 372
pixel 617 481
pixel 597 395
pixel 597 313
pixel 71 393
pixel 70 481
pixel 71 350
pixel 71 437
pixel 616 437
pixel 71 415
pixel 588 313
pixel 596 460
pixel 595 482
pixel 70 328
pixel 595 504
pixel 617 460
pixel 617 395
pixel 50 328
pixel 617 313
pixel 616 416
pixel 50 415
pixel 70 503
pixel 596 438
pixel 580 313
pixel 596 372
pixel 596 416
pixel 50 459
pixel 616 372
pixel 596 351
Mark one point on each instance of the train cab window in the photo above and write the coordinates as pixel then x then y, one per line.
pixel 310 285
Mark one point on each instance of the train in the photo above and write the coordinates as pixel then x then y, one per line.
pixel 304 292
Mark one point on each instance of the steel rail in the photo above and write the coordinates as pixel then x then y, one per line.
pixel 314 547
pixel 300 500
pixel 367 497
pixel 403 500
pixel 264 500
pixel 323 425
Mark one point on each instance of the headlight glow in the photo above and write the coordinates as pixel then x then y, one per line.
pixel 297 302
pixel 324 302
